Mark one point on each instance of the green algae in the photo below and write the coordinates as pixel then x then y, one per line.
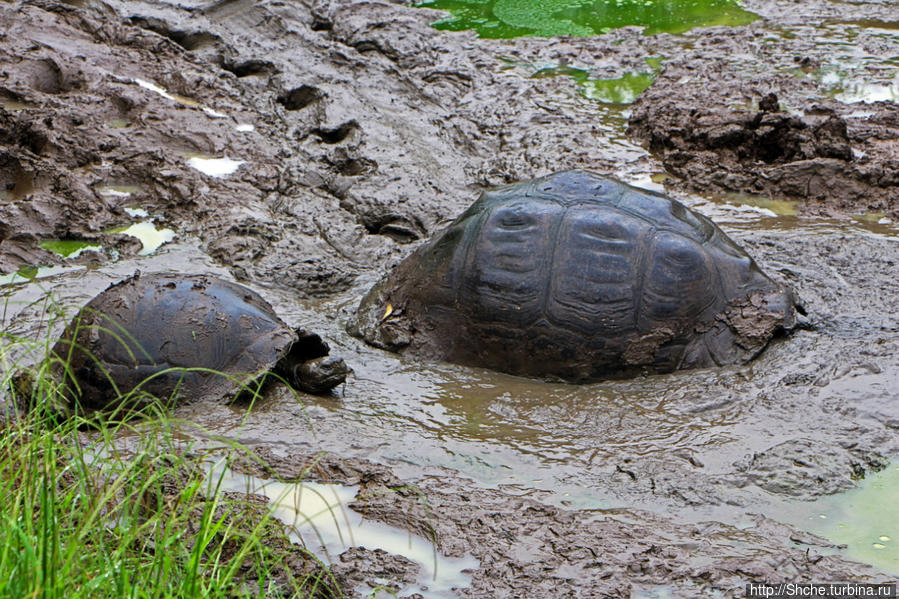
pixel 69 248
pixel 620 90
pixel 866 520
pixel 551 18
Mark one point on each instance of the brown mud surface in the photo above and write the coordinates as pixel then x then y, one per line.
pixel 769 135
pixel 369 131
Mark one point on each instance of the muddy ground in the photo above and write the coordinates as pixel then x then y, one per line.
pixel 369 131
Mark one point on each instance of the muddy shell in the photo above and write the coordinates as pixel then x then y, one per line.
pixel 577 277
pixel 194 337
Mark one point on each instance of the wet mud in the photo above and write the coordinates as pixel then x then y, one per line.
pixel 349 131
pixel 714 132
pixel 801 110
pixel 527 548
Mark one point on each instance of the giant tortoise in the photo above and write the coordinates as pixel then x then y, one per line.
pixel 577 277
pixel 168 336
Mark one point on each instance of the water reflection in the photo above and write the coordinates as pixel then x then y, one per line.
pixel 27 274
pixel 748 211
pixel 150 236
pixel 621 90
pixel 318 517
pixel 853 73
pixel 212 166
pixel 119 190
pixel 148 85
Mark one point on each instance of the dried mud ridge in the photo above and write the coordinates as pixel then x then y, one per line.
pixel 818 158
pixel 371 130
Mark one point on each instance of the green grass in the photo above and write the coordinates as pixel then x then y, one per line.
pixel 124 508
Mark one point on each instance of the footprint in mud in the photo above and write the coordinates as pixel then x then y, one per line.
pixel 397 227
pixel 348 131
pixel 251 68
pixel 15 183
pixel 300 97
pixel 189 40
pixel 44 75
pixel 355 167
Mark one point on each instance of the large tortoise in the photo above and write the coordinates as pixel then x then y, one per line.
pixel 577 277
pixel 195 337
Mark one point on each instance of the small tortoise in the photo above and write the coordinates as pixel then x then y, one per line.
pixel 173 336
pixel 577 277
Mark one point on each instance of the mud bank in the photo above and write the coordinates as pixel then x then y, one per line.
pixel 348 131
pixel 714 130
pixel 527 548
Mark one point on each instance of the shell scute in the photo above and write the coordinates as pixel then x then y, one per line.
pixel 506 269
pixel 680 282
pixel 168 333
pixel 593 274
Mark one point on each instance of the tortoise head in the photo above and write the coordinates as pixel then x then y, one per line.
pixel 308 367
pixel 319 375
pixel 784 308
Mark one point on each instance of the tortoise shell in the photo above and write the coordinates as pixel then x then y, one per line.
pixel 578 277
pixel 173 336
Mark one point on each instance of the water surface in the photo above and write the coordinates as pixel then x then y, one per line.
pixel 865 519
pixel 550 18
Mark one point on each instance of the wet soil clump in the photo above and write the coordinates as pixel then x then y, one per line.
pixel 819 156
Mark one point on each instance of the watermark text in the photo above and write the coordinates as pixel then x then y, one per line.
pixel 825 590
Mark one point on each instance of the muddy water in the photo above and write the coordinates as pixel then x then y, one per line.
pixel 600 445
pixel 318 517
pixel 720 445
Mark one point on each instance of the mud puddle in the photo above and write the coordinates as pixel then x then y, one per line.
pixel 32 273
pixel 150 236
pixel 212 166
pixel 865 520
pixel 715 445
pixel 319 518
pixel 617 91
pixel 751 212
